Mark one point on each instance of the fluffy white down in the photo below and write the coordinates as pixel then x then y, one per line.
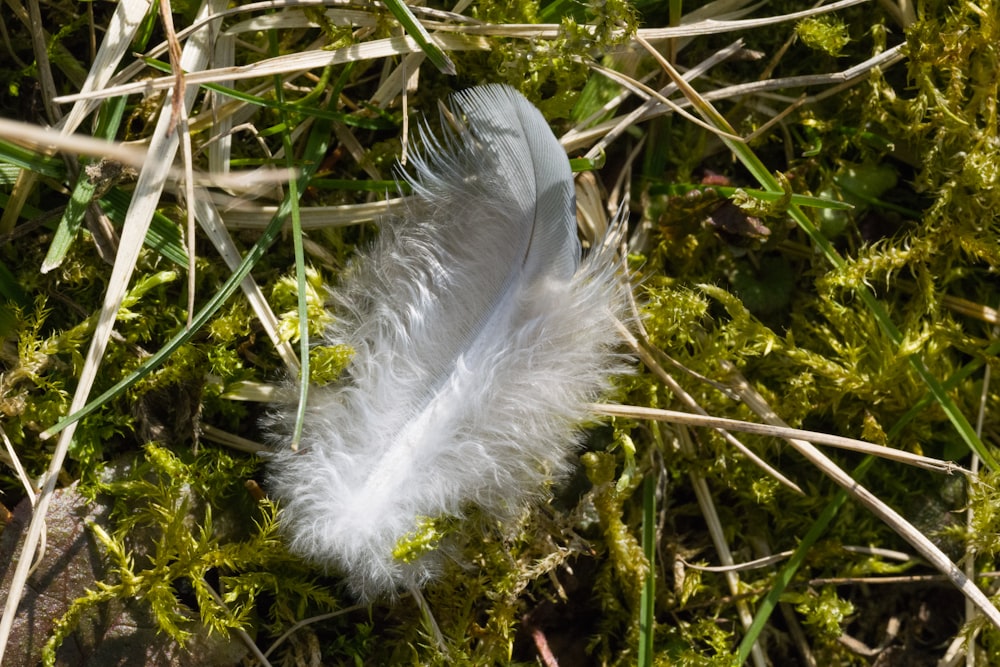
pixel 479 337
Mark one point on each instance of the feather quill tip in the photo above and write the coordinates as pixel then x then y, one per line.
pixel 479 338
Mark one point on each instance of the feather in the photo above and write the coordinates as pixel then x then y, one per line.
pixel 479 338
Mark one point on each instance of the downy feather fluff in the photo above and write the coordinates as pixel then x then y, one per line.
pixel 479 337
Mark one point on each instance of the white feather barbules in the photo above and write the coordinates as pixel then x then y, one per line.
pixel 479 337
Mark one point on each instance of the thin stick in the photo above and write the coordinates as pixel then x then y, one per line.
pixel 308 621
pixel 31 491
pixel 40 46
pixel 672 416
pixel 179 122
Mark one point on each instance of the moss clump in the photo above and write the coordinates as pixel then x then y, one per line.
pixel 824 33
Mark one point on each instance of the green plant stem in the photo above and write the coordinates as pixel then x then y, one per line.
pixel 300 260
pixel 647 600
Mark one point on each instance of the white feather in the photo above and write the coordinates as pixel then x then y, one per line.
pixel 478 337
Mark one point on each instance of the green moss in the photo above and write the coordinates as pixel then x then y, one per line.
pixel 425 537
pixel 326 363
pixel 824 33
pixel 824 611
pixel 284 298
pixel 550 72
pixel 625 551
pixel 179 521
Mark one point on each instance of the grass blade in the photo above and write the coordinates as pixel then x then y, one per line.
pixel 417 31
pixel 108 121
pixel 647 600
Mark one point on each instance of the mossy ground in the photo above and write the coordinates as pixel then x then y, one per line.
pixel 725 292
